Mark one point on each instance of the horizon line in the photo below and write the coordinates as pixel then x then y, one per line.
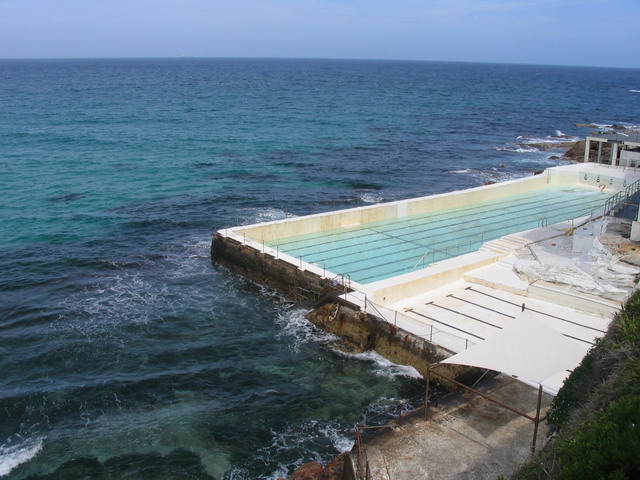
pixel 194 57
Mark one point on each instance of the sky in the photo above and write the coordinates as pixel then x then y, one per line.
pixel 551 32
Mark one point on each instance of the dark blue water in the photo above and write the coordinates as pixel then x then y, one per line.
pixel 123 352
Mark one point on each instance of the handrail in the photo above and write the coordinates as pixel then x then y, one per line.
pixel 446 251
pixel 612 202
pixel 363 470
pixel 393 317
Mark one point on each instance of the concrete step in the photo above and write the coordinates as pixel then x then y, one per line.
pixel 499 276
pixel 505 244
pixel 577 300
pixel 377 463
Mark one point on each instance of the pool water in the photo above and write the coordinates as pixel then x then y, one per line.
pixel 380 250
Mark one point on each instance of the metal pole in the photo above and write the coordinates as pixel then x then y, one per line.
pixel 426 394
pixel 536 422
pixel 476 392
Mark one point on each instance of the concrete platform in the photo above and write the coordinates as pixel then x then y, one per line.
pixel 466 437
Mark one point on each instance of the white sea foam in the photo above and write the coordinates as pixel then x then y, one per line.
pixel 294 324
pixel 634 91
pixel 464 170
pixel 260 215
pixel 141 295
pixel 338 438
pixel 13 455
pixel 303 439
pixel 384 367
pixel 517 149
pixel 370 197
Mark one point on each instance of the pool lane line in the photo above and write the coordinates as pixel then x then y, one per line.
pixel 559 195
pixel 444 227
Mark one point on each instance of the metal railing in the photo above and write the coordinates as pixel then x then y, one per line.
pixel 450 341
pixel 614 202
pixel 448 252
pixel 390 417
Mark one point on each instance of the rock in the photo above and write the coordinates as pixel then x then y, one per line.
pixel 308 471
pixel 576 152
pixel 586 125
pixel 554 157
pixel 333 470
pixel 545 146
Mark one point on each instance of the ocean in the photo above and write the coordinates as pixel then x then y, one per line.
pixel 124 353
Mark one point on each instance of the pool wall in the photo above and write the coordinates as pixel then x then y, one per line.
pixel 246 249
pixel 291 227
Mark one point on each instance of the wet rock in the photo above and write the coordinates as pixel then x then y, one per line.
pixel 333 470
pixel 308 471
pixel 576 152
pixel 544 146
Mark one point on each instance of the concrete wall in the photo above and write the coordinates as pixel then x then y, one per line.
pixel 354 217
pixel 284 276
pixel 364 332
pixel 390 291
pixel 358 216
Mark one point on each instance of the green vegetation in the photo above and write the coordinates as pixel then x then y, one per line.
pixel 596 415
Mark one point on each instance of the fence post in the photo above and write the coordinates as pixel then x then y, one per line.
pixel 426 394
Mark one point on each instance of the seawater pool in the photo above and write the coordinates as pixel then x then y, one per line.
pixel 376 251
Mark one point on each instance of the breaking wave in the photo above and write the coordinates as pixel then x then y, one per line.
pixel 294 324
pixel 13 455
pixel 383 367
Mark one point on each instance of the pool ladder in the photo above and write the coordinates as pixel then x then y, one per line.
pixel 448 251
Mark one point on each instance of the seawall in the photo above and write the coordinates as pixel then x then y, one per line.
pixel 361 331
pixel 264 268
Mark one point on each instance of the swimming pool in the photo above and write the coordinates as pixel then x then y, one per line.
pixel 378 250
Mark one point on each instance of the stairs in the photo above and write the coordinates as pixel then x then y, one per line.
pixel 504 245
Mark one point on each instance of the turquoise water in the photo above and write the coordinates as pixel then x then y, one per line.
pixel 375 251
pixel 124 353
